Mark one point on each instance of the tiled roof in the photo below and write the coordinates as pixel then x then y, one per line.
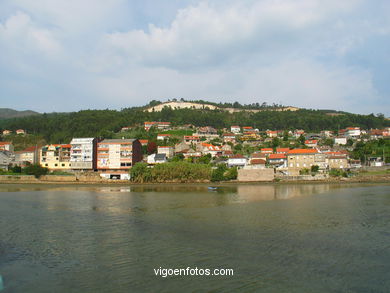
pixel 277 156
pixel 257 162
pixel 302 151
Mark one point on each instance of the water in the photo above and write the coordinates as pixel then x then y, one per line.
pixel 276 238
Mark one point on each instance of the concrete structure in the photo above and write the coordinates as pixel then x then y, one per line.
pixel 116 156
pixel 278 160
pixel 248 175
pixel 83 153
pixel 55 156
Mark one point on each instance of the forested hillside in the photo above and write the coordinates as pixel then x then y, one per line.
pixel 61 127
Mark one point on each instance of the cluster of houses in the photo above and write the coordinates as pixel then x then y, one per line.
pixel 112 158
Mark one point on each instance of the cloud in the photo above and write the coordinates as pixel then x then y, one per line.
pixel 99 54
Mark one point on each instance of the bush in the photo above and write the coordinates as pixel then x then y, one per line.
pixel 171 171
pixel 231 174
pixel 304 171
pixel 36 170
pixel 314 169
pixel 218 173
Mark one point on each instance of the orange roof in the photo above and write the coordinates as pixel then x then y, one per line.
pixel 237 156
pixel 267 150
pixel 257 161
pixel 311 141
pixel 163 134
pixel 302 151
pixel 282 150
pixel 258 155
pixel 143 141
pixel 248 127
pixel 235 126
pixel 4 142
pixel 229 134
pixel 277 156
pixel 191 137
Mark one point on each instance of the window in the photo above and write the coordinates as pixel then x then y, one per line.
pixel 63 165
pixel 56 165
pixel 46 165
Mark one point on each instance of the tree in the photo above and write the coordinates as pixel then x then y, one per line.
pixel 151 147
pixel 314 169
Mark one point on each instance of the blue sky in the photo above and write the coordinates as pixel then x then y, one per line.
pixel 67 55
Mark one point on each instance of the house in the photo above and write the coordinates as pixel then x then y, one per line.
pixel 237 161
pixel 298 132
pixel 156 159
pixel 55 156
pixel 158 125
pixel 256 164
pixel 235 129
pixel 167 150
pixel 250 136
pixel 163 136
pixel 227 154
pixel 247 129
pixel 340 140
pixel 7 132
pixel 144 142
pixel 229 137
pixel 83 154
pixel 272 133
pixel 298 159
pixel 282 150
pixel 312 143
pixel 278 160
pixel 206 148
pixel 27 156
pixel 191 139
pixel 226 147
pixel 20 131
pixel 353 132
pixel 6 146
pixel 191 153
pixel 6 158
pixel 206 131
pixel 126 128
pixel 326 133
pixel 180 147
pixel 116 156
pixel 267 151
pixel 336 160
pixel 258 156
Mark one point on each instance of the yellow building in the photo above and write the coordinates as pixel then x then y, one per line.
pixel 55 156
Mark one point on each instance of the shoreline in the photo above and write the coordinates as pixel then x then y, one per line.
pixel 379 179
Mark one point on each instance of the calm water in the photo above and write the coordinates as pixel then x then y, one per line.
pixel 277 238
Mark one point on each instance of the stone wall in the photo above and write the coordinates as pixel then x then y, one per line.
pixel 245 175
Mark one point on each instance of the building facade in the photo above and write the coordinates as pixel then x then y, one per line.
pixel 55 156
pixel 83 154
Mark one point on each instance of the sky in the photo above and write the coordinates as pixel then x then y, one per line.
pixel 68 55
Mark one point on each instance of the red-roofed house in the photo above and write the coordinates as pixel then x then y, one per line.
pixel 7 132
pixel 282 150
pixel 229 137
pixel 237 161
pixel 20 131
pixel 6 146
pixel 266 150
pixel 163 136
pixel 278 160
pixel 337 160
pixel 272 133
pixel 144 142
pixel 191 139
pixel 28 155
pixel 298 159
pixel 206 148
pixel 235 129
pixel 55 156
pixel 312 143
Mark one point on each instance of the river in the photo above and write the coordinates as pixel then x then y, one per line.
pixel 275 238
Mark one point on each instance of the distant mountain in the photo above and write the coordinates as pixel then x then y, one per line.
pixel 6 113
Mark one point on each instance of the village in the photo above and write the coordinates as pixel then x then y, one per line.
pixel 257 155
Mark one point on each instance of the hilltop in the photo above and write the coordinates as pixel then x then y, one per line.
pixel 61 127
pixel 234 108
pixel 6 113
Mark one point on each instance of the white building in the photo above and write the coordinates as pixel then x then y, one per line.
pixel 235 129
pixel 340 140
pixel 83 153
pixel 167 150
pixel 237 161
pixel 353 132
